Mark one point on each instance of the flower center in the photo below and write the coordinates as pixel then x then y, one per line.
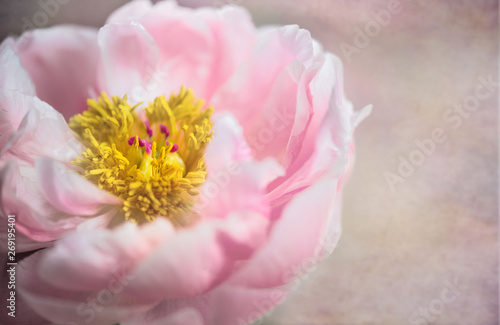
pixel 152 159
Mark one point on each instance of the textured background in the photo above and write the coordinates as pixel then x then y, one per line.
pixel 441 222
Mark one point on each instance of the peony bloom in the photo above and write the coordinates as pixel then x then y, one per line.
pixel 176 165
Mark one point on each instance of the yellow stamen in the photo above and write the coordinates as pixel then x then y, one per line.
pixel 148 173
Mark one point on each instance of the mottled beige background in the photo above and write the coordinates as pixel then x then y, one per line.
pixel 441 223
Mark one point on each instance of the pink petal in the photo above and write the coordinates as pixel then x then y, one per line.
pixel 129 56
pixel 62 62
pixel 89 259
pixel 228 144
pixel 12 111
pixel 37 219
pixel 101 307
pixel 327 97
pixel 197 259
pixel 69 192
pixel 282 94
pixel 325 139
pixel 42 132
pixel 305 220
pixel 205 43
pixel 275 50
pixel 12 75
pixel 234 181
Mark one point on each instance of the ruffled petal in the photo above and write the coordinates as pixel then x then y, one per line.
pixel 207 43
pixel 324 142
pixel 276 49
pixel 12 75
pixel 197 259
pixel 36 218
pixel 12 111
pixel 276 80
pixel 101 307
pixel 235 182
pixel 69 192
pixel 63 63
pixel 43 132
pixel 129 57
pixel 88 260
pixel 305 220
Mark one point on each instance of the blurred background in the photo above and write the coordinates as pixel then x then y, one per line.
pixel 420 219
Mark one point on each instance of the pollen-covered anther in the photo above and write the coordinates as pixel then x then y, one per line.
pixel 154 177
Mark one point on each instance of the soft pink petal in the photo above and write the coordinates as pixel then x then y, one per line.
pixel 12 111
pixel 325 141
pixel 206 43
pixel 304 220
pixel 278 129
pixel 199 258
pixel 234 181
pixel 43 132
pixel 103 307
pixel 327 160
pixel 12 75
pixel 87 260
pixel 63 62
pixel 69 192
pixel 36 218
pixel 275 50
pixel 228 144
pixel 281 94
pixel 129 57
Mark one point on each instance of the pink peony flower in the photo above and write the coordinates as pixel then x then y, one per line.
pixel 177 165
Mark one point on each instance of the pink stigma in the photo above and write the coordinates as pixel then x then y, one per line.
pixel 131 141
pixel 149 145
pixel 164 130
pixel 142 142
pixel 175 147
pixel 148 129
